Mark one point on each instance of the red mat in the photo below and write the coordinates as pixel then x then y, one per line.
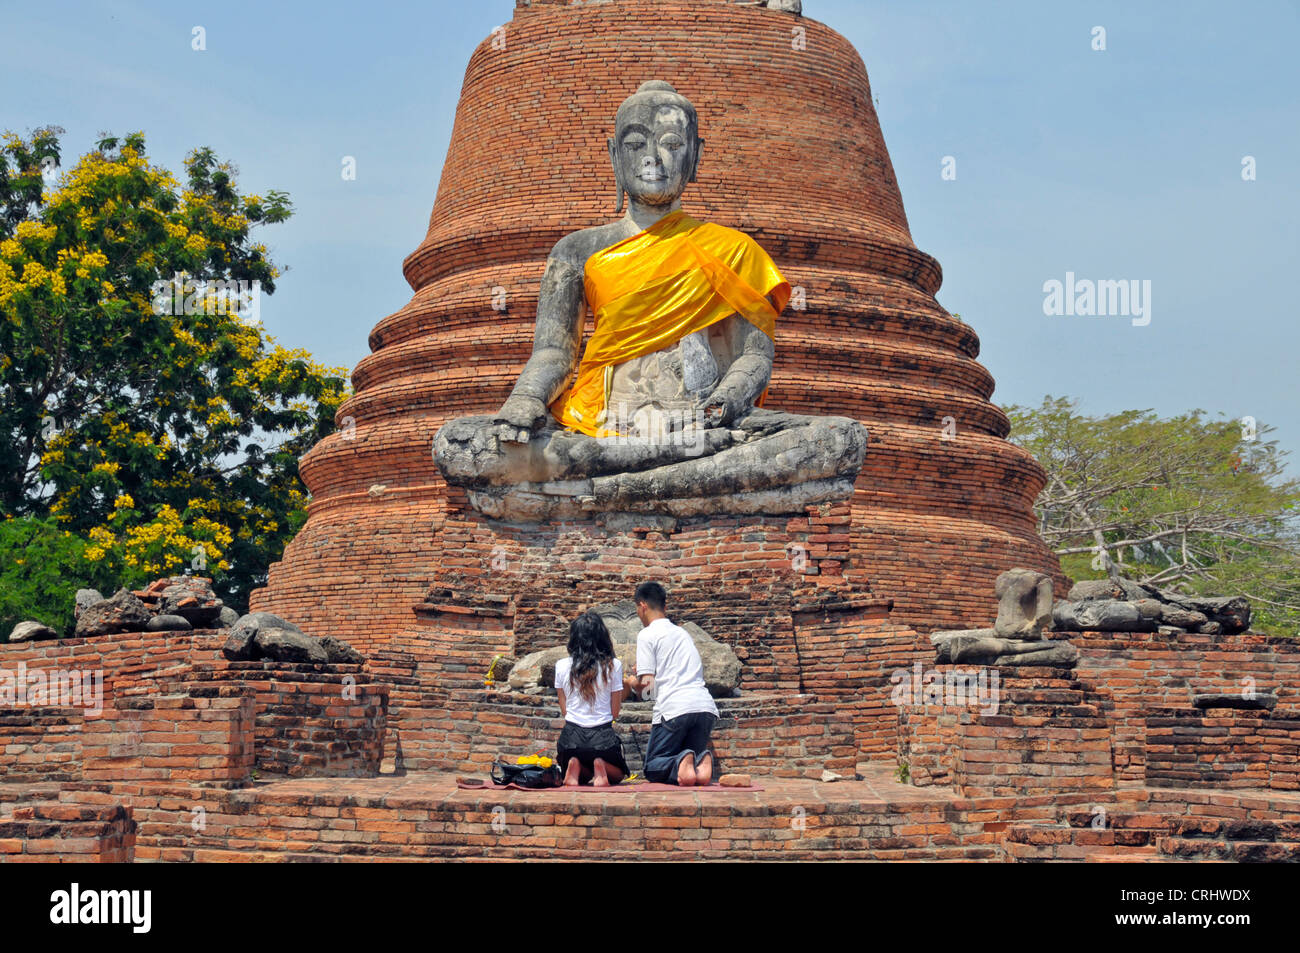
pixel 635 786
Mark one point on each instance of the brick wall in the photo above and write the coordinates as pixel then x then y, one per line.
pixel 172 738
pixel 129 661
pixel 159 692
pixel 40 744
pixel 1133 672
pixel 1037 731
pixel 1223 748
pixel 308 722
pixel 934 520
pixel 51 832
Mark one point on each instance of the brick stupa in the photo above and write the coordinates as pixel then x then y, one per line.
pixel 1159 744
pixel 794 156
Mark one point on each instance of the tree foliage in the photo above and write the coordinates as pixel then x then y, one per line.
pixel 139 408
pixel 1190 503
pixel 41 568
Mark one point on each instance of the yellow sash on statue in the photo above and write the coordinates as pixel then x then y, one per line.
pixel 651 290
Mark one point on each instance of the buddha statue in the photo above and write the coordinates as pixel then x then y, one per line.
pixel 664 413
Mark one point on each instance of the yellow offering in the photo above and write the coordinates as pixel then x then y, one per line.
pixel 649 291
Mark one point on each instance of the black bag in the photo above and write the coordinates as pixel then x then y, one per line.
pixel 526 775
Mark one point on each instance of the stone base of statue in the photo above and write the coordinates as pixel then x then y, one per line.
pixel 768 462
pixel 816 647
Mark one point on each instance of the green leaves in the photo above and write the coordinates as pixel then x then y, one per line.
pixel 41 569
pixel 126 368
pixel 1190 502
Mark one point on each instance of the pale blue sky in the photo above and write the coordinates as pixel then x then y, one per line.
pixel 1117 164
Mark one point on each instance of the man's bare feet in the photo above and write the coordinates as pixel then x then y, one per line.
pixel 573 773
pixel 600 778
pixel 686 770
pixel 704 771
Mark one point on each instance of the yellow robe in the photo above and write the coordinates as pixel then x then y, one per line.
pixel 651 290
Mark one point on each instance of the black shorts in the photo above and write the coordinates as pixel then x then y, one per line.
pixel 588 744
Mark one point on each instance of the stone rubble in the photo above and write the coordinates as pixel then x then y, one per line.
pixel 185 603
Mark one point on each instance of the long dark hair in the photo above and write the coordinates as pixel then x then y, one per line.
pixel 592 652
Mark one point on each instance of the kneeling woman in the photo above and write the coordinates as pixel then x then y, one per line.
pixel 590 686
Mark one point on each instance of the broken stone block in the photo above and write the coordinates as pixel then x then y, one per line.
pixel 192 598
pixel 286 645
pixel 123 612
pixel 85 599
pixel 1024 604
pixel 31 631
pixel 168 623
pixel 240 645
pixel 1101 616
pixel 339 652
pixel 983 647
pixel 1180 617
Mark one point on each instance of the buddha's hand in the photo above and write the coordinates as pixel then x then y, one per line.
pixel 719 410
pixel 519 418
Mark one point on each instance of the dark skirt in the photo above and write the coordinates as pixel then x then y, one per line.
pixel 588 744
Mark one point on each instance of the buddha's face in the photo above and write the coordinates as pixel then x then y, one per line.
pixel 654 151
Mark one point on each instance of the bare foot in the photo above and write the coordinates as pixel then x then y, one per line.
pixel 704 771
pixel 573 774
pixel 686 770
pixel 600 776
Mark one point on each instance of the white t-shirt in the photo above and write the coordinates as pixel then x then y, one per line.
pixel 668 652
pixel 577 709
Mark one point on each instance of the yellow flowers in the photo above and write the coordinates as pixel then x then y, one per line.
pixel 222 417
pixel 32 231
pixel 537 759
pixel 164 543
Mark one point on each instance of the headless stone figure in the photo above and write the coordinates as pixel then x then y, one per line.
pixel 675 430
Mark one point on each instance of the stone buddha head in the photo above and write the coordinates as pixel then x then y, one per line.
pixel 656 146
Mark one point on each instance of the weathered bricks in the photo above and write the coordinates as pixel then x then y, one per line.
pixel 943 503
pixel 1223 748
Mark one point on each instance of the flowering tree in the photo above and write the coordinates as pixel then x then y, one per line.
pixel 142 405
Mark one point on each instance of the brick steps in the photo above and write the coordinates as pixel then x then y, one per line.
pixel 425 817
pixel 1157 836
pixel 1123 836
pixel 49 831
pixel 1240 852
pixel 1254 841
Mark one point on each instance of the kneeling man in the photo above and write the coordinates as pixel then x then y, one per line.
pixel 668 661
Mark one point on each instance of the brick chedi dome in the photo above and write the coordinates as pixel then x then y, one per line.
pixel 794 156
